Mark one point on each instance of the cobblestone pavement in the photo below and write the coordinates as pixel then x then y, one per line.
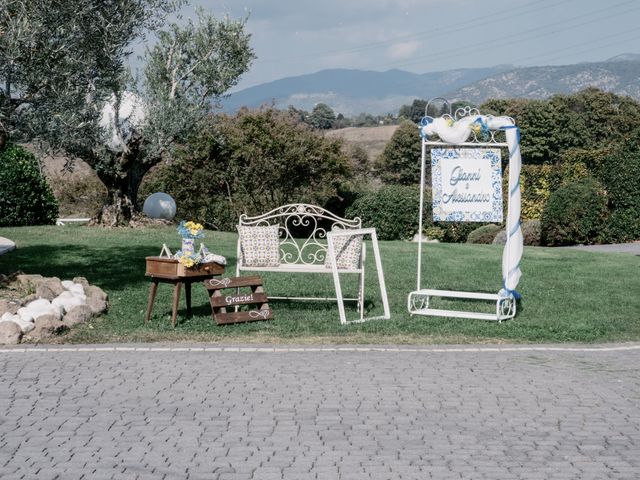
pixel 320 413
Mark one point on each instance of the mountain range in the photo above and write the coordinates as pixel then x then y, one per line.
pixel 355 91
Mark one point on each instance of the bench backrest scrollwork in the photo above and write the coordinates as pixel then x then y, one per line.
pixel 291 219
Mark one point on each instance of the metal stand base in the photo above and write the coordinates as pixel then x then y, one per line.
pixel 418 304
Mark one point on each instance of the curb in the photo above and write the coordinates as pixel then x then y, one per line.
pixel 322 349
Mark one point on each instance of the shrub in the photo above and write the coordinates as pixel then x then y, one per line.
pixel 575 213
pixel 399 162
pixel 392 210
pixel 25 196
pixel 78 196
pixel 251 163
pixel 535 189
pixel 456 232
pixel 620 177
pixel 484 234
pixel 624 225
pixel 531 232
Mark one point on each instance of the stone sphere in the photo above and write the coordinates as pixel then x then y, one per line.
pixel 160 205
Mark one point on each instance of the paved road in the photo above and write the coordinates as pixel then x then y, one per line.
pixel 320 413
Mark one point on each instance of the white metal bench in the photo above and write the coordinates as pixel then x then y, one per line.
pixel 308 252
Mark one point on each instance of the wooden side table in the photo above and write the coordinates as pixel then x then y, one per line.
pixel 168 270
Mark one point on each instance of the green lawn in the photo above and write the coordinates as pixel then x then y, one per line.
pixel 568 296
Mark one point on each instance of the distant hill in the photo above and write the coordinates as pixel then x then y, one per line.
pixel 355 91
pixel 617 75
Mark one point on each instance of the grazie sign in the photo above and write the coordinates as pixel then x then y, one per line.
pixel 467 184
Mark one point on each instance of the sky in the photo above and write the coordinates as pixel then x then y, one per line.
pixel 296 37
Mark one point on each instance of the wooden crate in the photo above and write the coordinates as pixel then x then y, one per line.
pixel 169 267
pixel 222 301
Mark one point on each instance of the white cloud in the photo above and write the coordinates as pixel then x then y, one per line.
pixel 403 50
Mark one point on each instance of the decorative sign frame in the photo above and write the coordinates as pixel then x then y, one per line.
pixel 467 184
pixel 220 302
pixel 468 128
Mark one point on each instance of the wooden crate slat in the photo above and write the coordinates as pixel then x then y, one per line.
pixel 238 299
pixel 223 304
pixel 220 283
pixel 241 317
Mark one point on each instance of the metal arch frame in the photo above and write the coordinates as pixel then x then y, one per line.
pixel 418 300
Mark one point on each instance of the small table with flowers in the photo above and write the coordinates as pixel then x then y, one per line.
pixel 185 267
pixel 169 270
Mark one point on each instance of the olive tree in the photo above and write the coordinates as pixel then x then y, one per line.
pixel 91 108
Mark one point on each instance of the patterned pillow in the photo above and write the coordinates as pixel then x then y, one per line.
pixel 348 251
pixel 260 246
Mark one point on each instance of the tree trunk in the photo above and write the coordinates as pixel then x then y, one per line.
pixel 122 189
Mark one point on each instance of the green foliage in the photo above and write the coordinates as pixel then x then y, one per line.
pixel 25 196
pixel 620 176
pixel 624 225
pixel 322 117
pixel 392 210
pixel 251 163
pixel 589 120
pixel 535 182
pixel 484 234
pixel 575 214
pixel 63 59
pixel 399 162
pixel 531 233
pixel 413 112
pixel 78 196
pixel 456 232
pixel 66 60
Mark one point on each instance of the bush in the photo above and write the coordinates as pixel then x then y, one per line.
pixel 484 234
pixel 575 213
pixel 78 196
pixel 624 225
pixel 531 232
pixel 25 196
pixel 392 211
pixel 619 172
pixel 399 162
pixel 251 163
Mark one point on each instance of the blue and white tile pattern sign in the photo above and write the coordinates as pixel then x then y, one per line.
pixel 467 184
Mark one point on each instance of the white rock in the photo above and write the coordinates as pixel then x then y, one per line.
pixel 38 304
pixel 67 284
pixel 24 325
pixel 67 300
pixel 160 205
pixel 76 289
pixel 6 317
pixel 25 314
pixel 39 308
